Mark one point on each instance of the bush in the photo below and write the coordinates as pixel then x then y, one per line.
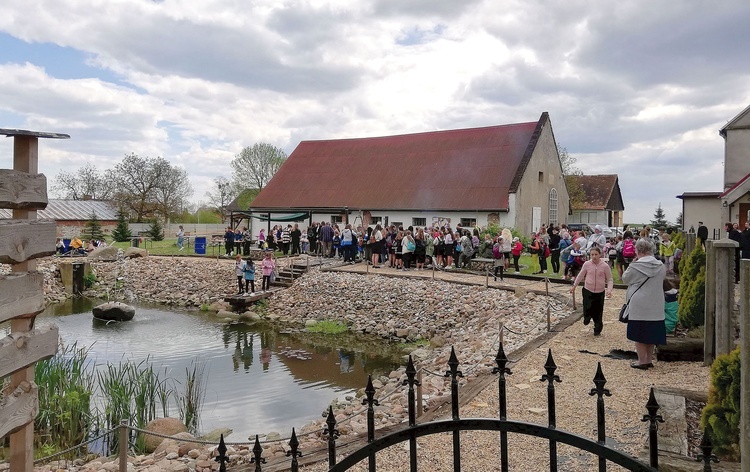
pixel 721 416
pixel 155 231
pixel 121 232
pixel 678 239
pixel 692 310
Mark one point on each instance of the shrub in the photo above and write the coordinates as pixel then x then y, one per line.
pixel 155 231
pixel 722 412
pixel 692 310
pixel 679 239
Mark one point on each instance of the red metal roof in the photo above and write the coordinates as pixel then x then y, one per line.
pixel 465 169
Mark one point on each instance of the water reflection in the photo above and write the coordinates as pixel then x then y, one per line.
pixel 259 379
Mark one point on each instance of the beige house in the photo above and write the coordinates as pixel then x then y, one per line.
pixel 732 204
pixel 507 174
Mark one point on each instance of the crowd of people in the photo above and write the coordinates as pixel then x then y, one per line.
pixel 77 247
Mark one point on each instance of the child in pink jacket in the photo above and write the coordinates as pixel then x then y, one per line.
pixel 267 266
pixel 596 276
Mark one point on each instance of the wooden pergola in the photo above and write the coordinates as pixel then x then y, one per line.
pixel 23 239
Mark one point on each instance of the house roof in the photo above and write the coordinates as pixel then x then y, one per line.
pixel 72 210
pixel 699 195
pixel 601 192
pixel 733 121
pixel 465 169
pixel 736 191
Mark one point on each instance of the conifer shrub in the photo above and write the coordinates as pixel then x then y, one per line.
pixel 678 238
pixel 721 416
pixel 122 231
pixel 155 231
pixel 692 309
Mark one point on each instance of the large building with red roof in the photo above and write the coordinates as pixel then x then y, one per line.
pixel 507 174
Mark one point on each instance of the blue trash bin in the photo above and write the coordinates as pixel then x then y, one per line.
pixel 200 244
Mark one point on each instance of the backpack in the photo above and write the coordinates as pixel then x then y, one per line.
pixel 496 252
pixel 546 251
pixel 628 248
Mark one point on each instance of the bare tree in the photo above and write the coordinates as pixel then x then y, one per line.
pixel 221 194
pixel 254 166
pixel 149 186
pixel 76 184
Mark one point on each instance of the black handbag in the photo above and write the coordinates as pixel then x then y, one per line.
pixel 623 316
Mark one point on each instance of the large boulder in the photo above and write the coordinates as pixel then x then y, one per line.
pixel 108 253
pixel 133 252
pixel 165 426
pixel 114 311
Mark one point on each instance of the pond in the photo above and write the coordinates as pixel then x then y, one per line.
pixel 259 379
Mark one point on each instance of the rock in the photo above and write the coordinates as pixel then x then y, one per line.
pixel 108 253
pixel 133 252
pixel 114 311
pixel 215 435
pixel 165 426
pixel 172 456
pixel 226 314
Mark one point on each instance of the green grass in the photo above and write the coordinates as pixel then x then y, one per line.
pixel 530 264
pixel 328 327
pixel 168 247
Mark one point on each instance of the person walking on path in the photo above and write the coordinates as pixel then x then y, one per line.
pixel 596 276
pixel 268 265
pixel 645 303
pixel 702 234
pixel 180 238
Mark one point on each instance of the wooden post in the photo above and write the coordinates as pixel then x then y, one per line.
pixel 546 289
pixel 123 446
pixel 21 294
pixel 724 250
pixel 709 328
pixel 745 364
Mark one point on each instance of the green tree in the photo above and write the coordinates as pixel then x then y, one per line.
pixel 570 173
pixel 722 414
pixel 678 221
pixel 155 231
pixel 254 166
pixel 659 221
pixel 122 231
pixel 93 229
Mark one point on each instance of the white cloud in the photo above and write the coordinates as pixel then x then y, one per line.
pixel 636 88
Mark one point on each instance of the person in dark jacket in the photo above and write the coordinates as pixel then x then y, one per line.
pixel 745 243
pixel 296 237
pixel 229 241
pixel 702 234
pixel 735 235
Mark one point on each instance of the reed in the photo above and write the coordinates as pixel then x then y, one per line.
pixel 190 403
pixel 66 385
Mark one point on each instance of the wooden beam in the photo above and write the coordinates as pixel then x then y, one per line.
pixel 19 408
pixel 21 293
pixel 22 349
pixel 20 190
pixel 21 240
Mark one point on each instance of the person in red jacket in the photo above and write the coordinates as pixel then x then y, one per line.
pixel 516 250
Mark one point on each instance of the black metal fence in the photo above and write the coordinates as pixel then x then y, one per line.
pixel 504 426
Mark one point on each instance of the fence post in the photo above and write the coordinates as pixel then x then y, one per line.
pixel 370 401
pixel 724 250
pixel 652 406
pixel 123 445
pixel 600 392
pixel 551 378
pixel 745 364
pixel 420 408
pixel 333 434
pixel 689 243
pixel 411 374
pixel 709 329
pixel 502 361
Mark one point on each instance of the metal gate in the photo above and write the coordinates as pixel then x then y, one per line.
pixel 504 426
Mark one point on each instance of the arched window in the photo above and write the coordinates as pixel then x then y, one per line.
pixel 553 207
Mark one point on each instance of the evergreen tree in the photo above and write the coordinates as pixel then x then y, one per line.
pixel 155 231
pixel 659 222
pixel 678 221
pixel 93 229
pixel 122 231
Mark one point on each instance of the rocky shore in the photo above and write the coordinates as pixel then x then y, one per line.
pixel 434 314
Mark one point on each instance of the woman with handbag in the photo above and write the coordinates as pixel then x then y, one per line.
pixel 644 307
pixel 596 276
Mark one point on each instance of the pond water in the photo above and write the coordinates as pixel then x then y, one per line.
pixel 259 379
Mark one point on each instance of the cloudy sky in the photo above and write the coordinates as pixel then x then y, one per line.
pixel 638 88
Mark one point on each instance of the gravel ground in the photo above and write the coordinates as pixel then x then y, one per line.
pixel 576 410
